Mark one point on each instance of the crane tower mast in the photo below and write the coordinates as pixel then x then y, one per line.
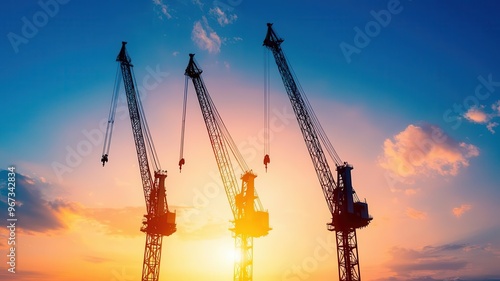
pixel 250 220
pixel 158 221
pixel 346 210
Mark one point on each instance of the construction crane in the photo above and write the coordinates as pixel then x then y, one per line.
pixel 348 213
pixel 158 221
pixel 250 219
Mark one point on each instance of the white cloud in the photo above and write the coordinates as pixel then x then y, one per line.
pixel 222 18
pixel 176 53
pixel 491 125
pixel 205 37
pixel 231 40
pixel 496 108
pixel 198 3
pixel 163 8
pixel 459 211
pixel 424 151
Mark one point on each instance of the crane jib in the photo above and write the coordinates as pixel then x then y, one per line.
pixel 158 221
pixel 250 220
pixel 347 212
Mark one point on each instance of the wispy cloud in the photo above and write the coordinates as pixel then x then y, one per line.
pixel 222 18
pixel 496 112
pixel 415 214
pixel 164 9
pixel 95 259
pixel 27 274
pixel 459 211
pixel 429 259
pixel 496 108
pixel 198 3
pixel 126 222
pixel 116 221
pixel 231 40
pixel 199 225
pixel 38 215
pixel 423 151
pixel 480 115
pixel 491 126
pixel 205 37
pixel 410 191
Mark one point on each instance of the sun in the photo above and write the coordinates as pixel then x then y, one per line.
pixel 232 255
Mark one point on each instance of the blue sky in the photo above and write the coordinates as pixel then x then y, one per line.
pixel 409 91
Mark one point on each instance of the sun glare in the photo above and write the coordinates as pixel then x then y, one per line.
pixel 232 255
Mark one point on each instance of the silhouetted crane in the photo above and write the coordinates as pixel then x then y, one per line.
pixel 158 221
pixel 250 220
pixel 348 213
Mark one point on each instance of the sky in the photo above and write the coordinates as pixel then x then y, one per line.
pixel 407 91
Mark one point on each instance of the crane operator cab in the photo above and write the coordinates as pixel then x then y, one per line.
pixel 349 213
pixel 159 219
pixel 249 221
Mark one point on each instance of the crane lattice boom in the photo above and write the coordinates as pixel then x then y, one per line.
pixel 158 221
pixel 250 220
pixel 346 210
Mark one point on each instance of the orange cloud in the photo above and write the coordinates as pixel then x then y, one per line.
pixel 476 115
pixel 201 225
pixel 415 214
pixel 117 221
pixel 459 211
pixel 126 222
pixel 479 115
pixel 424 150
pixel 410 191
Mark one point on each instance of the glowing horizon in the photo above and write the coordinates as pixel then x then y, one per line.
pixel 413 105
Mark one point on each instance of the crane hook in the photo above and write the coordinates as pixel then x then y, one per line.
pixel 181 162
pixel 267 160
pixel 104 159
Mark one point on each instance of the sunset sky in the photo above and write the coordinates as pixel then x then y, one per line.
pixel 407 91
